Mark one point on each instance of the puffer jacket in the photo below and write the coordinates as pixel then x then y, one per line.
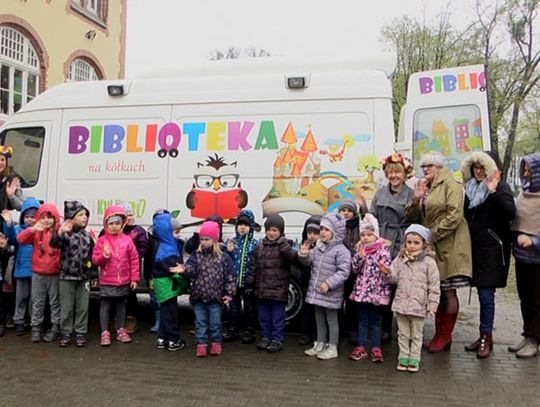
pixel 370 285
pixel 331 263
pixel 123 266
pixel 23 252
pixel 418 285
pixel 244 247
pixel 45 259
pixel 269 270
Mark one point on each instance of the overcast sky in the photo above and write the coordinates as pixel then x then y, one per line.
pixel 182 32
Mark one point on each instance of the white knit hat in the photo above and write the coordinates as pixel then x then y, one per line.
pixel 370 224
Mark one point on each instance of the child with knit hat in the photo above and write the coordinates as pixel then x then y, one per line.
pixel 213 285
pixel 242 308
pixel 330 263
pixel 370 289
pixel 268 277
pixel 416 275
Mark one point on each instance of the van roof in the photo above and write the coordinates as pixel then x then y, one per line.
pixel 225 82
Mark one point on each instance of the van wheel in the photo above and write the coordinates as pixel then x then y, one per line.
pixel 294 301
pixel 173 153
pixel 162 153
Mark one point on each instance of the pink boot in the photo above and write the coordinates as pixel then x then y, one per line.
pixel 105 339
pixel 202 350
pixel 215 349
pixel 123 336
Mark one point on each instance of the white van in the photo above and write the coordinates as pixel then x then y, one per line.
pixel 294 140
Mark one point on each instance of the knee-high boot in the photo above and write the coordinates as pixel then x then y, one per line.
pixel 444 341
pixel 438 322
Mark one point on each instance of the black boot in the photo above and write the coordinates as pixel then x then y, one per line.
pixel 52 334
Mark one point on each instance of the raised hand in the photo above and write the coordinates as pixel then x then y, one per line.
pixel 12 186
pixel 65 227
pixel 106 251
pixel 304 249
pixel 492 182
pixel 7 216
pixel 39 226
pixel 420 189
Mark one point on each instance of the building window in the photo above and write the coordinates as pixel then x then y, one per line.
pixel 81 71
pixel 19 71
pixel 95 10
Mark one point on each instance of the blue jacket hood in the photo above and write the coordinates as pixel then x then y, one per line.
pixel 163 230
pixel 246 213
pixel 27 204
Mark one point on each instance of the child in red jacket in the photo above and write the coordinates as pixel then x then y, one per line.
pixel 118 260
pixel 45 271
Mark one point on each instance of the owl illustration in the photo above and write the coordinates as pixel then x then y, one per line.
pixel 216 190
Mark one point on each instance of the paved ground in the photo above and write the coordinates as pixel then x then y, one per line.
pixel 137 374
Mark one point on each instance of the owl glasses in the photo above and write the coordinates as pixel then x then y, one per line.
pixel 224 181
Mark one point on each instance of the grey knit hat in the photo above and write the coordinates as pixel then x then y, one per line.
pixel 348 204
pixel 420 230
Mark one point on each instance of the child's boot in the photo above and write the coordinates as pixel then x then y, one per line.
pixel 202 350
pixel 155 327
pixel 248 337
pixel 123 336
pixel 329 353
pixel 36 334
pixel 20 330
pixel 414 365
pixel 317 348
pixel 65 341
pixel 131 325
pixel 52 334
pixel 105 339
pixel 215 349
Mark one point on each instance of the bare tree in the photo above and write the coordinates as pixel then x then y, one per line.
pixel 235 53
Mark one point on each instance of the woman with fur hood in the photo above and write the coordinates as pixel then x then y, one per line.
pixel 489 208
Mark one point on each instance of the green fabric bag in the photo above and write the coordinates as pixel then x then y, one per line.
pixel 170 287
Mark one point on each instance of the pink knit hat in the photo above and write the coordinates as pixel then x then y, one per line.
pixel 210 229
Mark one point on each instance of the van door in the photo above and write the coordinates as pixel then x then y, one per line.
pixel 111 155
pixel 446 111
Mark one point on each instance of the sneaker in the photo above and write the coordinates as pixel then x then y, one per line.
pixel 530 350
pixel 329 352
pixel 202 350
pixel 20 330
pixel 376 355
pixel 403 364
pixel 358 353
pixel 317 348
pixel 305 340
pixel 80 340
pixel 248 338
pixel 105 339
pixel 52 334
pixel 36 335
pixel 231 335
pixel 174 346
pixel 64 341
pixel 160 343
pixel 515 348
pixel 215 349
pixel 413 366
pixel 9 323
pixel 263 344
pixel 274 347
pixel 123 336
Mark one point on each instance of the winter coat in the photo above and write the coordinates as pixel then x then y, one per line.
pixel 243 250
pixel 23 252
pixel 122 267
pixel 489 227
pixel 330 263
pixel 418 285
pixel 370 285
pixel 168 254
pixel 306 270
pixel 352 233
pixel 139 237
pixel 389 209
pixel 443 215
pixel 269 270
pixel 45 259
pixel 527 205
pixel 212 277
pixel 153 246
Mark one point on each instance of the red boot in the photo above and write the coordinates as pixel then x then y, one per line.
pixel 438 321
pixel 444 341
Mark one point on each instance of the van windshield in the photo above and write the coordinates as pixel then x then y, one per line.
pixel 27 146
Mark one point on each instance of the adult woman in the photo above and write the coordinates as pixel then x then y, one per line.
pixel 438 205
pixel 388 206
pixel 489 209
pixel 10 190
pixel 526 226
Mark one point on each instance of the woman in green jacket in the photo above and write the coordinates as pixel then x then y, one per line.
pixel 438 205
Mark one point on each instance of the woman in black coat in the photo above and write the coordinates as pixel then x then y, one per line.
pixel 489 210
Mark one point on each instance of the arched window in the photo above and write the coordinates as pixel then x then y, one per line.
pixel 81 70
pixel 19 70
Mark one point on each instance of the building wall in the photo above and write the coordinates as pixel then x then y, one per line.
pixel 61 31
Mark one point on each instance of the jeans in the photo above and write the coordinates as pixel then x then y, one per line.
pixel 207 322
pixel 486 296
pixel 272 319
pixel 369 324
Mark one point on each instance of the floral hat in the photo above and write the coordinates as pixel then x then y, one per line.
pixel 401 159
pixel 6 150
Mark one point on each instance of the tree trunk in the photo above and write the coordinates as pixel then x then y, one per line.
pixel 511 137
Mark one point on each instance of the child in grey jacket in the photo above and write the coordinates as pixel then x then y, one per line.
pixel 330 263
pixel 416 274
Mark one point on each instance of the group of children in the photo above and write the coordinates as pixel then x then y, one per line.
pixel 57 262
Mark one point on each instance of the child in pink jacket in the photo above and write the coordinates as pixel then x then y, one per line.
pixel 118 260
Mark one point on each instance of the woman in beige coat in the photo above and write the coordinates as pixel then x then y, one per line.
pixel 438 205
